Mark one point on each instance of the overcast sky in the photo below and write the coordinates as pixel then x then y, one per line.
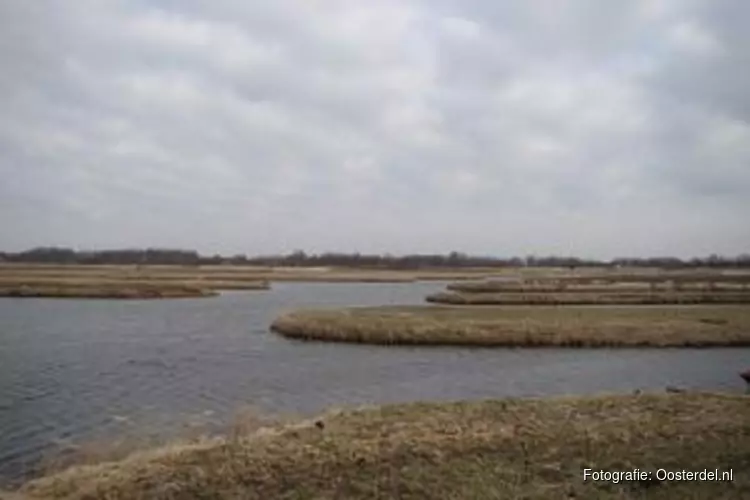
pixel 590 127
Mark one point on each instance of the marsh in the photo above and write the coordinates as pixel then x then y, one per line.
pixel 74 370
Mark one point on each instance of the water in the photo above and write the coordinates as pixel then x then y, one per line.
pixel 75 370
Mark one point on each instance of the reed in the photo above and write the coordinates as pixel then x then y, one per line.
pixel 104 292
pixel 590 298
pixel 508 448
pixel 217 276
pixel 555 287
pixel 524 326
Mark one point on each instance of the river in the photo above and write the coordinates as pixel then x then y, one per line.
pixel 74 371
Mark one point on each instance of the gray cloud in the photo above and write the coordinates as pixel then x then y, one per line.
pixel 598 129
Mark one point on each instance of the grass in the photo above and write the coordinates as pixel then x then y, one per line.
pixel 223 277
pixel 123 282
pixel 660 277
pixel 64 281
pixel 655 288
pixel 570 326
pixel 591 298
pixel 551 287
pixel 512 448
pixel 655 278
pixel 105 291
pixel 233 274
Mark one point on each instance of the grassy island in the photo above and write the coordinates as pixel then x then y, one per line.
pixel 230 276
pixel 118 282
pixel 590 298
pixel 606 289
pixel 513 448
pixel 569 326
pixel 105 291
pixel 551 286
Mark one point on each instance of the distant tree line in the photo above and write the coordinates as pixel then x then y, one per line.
pixel 55 255
pixel 299 258
pixel 713 260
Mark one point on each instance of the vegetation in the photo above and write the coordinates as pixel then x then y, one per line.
pixel 735 283
pixel 571 326
pixel 214 277
pixel 590 298
pixel 300 258
pixel 673 279
pixel 639 288
pixel 64 280
pixel 512 448
pixel 116 282
pixel 123 291
pixel 55 255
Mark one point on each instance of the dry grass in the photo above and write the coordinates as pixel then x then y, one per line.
pixel 230 273
pixel 152 282
pixel 602 289
pixel 119 282
pixel 552 287
pixel 222 277
pixel 492 449
pixel 136 437
pixel 105 291
pixel 571 326
pixel 651 277
pixel 590 298
pixel 61 277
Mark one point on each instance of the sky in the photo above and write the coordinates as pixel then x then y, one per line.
pixel 588 128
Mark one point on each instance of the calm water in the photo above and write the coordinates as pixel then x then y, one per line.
pixel 73 370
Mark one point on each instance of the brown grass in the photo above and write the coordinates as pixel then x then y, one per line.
pixel 137 437
pixel 496 286
pixel 222 276
pixel 120 291
pixel 590 298
pixel 654 277
pixel 492 449
pixel 119 282
pixel 230 273
pixel 153 282
pixel 571 326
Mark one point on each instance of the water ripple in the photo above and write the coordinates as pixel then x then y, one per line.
pixel 73 371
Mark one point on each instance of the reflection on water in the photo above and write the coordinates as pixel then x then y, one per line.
pixel 72 370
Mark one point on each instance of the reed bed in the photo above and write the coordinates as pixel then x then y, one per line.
pixel 590 298
pixel 508 448
pixel 653 288
pixel 526 287
pixel 104 292
pixel 125 282
pixel 16 274
pixel 151 282
pixel 524 326
pixel 683 278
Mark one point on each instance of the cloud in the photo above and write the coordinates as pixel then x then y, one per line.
pixel 597 128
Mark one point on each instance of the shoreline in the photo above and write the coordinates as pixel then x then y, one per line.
pixel 511 447
pixel 95 293
pixel 524 326
pixel 589 298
